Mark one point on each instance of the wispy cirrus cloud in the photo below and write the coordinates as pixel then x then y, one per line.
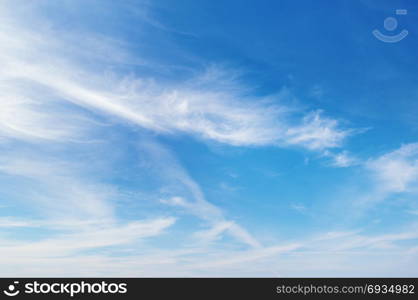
pixel 396 171
pixel 76 242
pixel 351 252
pixel 55 188
pixel 389 176
pixel 213 105
pixel 71 210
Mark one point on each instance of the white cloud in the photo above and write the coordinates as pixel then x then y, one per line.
pixel 58 188
pixel 396 171
pixel 247 257
pixel 175 201
pixel 29 116
pixel 331 254
pixel 13 222
pixel 65 200
pixel 380 178
pixel 213 105
pixel 341 159
pixel 176 180
pixel 316 132
pixel 69 244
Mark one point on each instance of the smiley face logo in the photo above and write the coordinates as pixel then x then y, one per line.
pixel 11 290
pixel 390 24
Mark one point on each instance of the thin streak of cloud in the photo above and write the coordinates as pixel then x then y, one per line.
pixel 178 181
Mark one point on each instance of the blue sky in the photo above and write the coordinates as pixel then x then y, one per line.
pixel 208 138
